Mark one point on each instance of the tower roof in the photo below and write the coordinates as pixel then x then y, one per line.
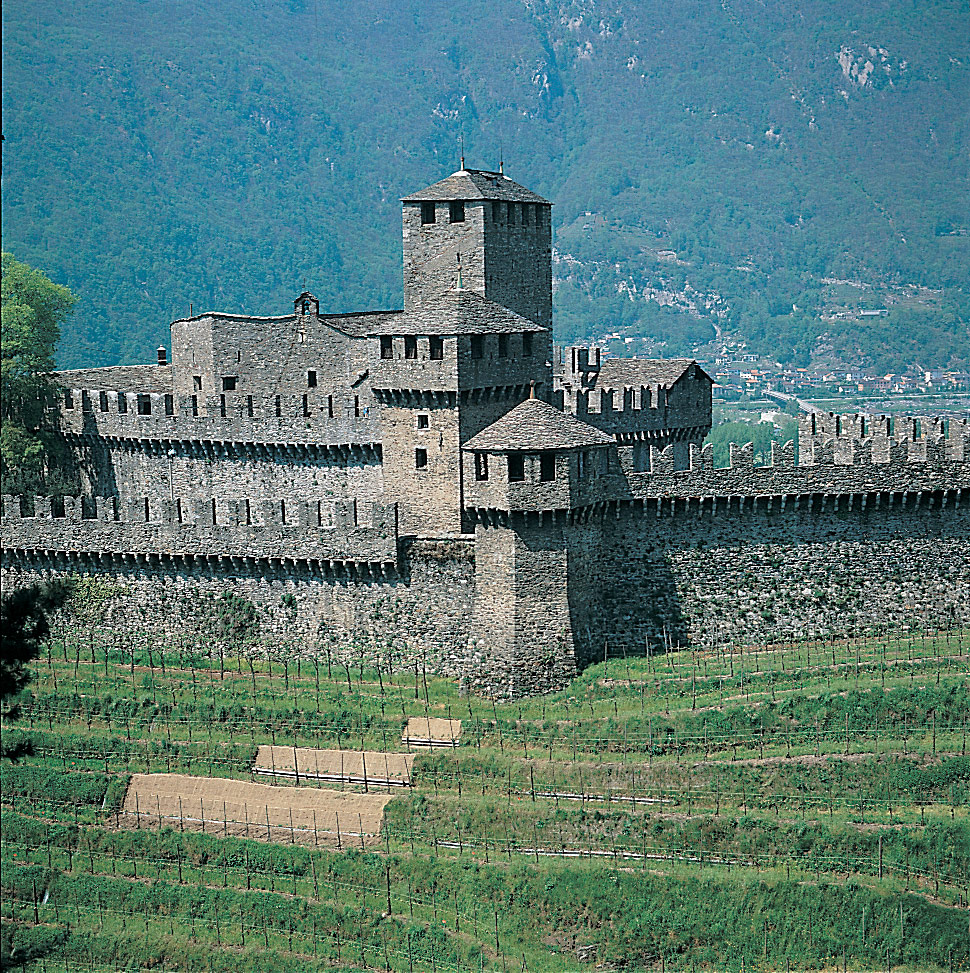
pixel 535 424
pixel 626 372
pixel 456 312
pixel 476 184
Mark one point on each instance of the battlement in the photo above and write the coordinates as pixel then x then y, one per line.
pixel 318 531
pixel 312 418
pixel 928 464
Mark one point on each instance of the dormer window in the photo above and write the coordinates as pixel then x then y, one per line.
pixel 427 213
pixel 456 211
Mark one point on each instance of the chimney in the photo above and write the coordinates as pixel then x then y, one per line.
pixel 162 356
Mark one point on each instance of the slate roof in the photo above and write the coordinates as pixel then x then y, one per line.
pixel 534 425
pixel 356 324
pixel 120 378
pixel 476 184
pixel 618 373
pixel 455 312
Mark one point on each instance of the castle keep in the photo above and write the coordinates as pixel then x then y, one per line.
pixel 442 482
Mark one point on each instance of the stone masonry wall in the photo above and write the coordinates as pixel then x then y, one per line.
pixel 420 613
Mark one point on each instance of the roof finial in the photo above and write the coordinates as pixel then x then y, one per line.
pixel 501 159
pixel 461 141
pixel 459 286
pixel 532 389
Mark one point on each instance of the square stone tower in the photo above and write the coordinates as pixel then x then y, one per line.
pixel 474 340
pixel 499 232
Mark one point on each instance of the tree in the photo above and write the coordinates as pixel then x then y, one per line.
pixel 33 308
pixel 24 622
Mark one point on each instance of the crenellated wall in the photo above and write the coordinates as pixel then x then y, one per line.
pixel 328 533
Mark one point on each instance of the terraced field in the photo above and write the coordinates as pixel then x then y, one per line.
pixel 787 807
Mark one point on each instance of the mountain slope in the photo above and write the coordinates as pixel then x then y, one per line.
pixel 723 158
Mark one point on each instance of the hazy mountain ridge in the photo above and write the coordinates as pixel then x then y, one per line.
pixel 155 157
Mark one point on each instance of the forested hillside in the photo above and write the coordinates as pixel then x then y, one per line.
pixel 712 161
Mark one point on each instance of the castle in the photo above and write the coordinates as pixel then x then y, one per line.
pixel 442 482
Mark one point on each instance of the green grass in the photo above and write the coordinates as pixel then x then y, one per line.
pixel 678 811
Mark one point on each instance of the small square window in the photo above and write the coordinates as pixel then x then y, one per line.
pixel 427 213
pixel 411 347
pixel 436 348
pixel 516 467
pixel 481 466
pixel 478 346
pixel 311 379
pixel 387 347
pixel 456 211
pixel 196 383
pixel 503 346
pixel 527 345
pixel 547 466
pixel 422 421
pixel 229 383
pixel 420 459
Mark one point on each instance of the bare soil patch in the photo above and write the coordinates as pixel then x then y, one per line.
pixel 431 732
pixel 292 815
pixel 365 767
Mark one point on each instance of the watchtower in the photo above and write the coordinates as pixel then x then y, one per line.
pixel 499 232
pixel 534 481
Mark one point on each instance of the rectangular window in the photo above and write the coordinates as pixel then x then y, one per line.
pixel 427 213
pixel 511 214
pixel 68 399
pixel 547 466
pixel 122 403
pixel 420 459
pixel 527 345
pixel 169 404
pixel 387 347
pixel 195 405
pixel 411 347
pixel 436 347
pixel 456 211
pixel 525 214
pixel 229 383
pixel 516 467
pixel 496 212
pixel 503 346
pixel 423 422
pixel 279 407
pixel 196 383
pixel 481 466
pixel 329 406
pixel 144 405
pixel 311 379
pixel 581 464
pixel 222 405
pixel 478 346
pixel 249 406
pixel 103 401
pixel 306 405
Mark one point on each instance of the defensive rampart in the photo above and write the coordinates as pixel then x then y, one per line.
pixel 336 535
pixel 315 419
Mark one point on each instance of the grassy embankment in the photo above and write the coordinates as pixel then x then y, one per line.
pixel 801 805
